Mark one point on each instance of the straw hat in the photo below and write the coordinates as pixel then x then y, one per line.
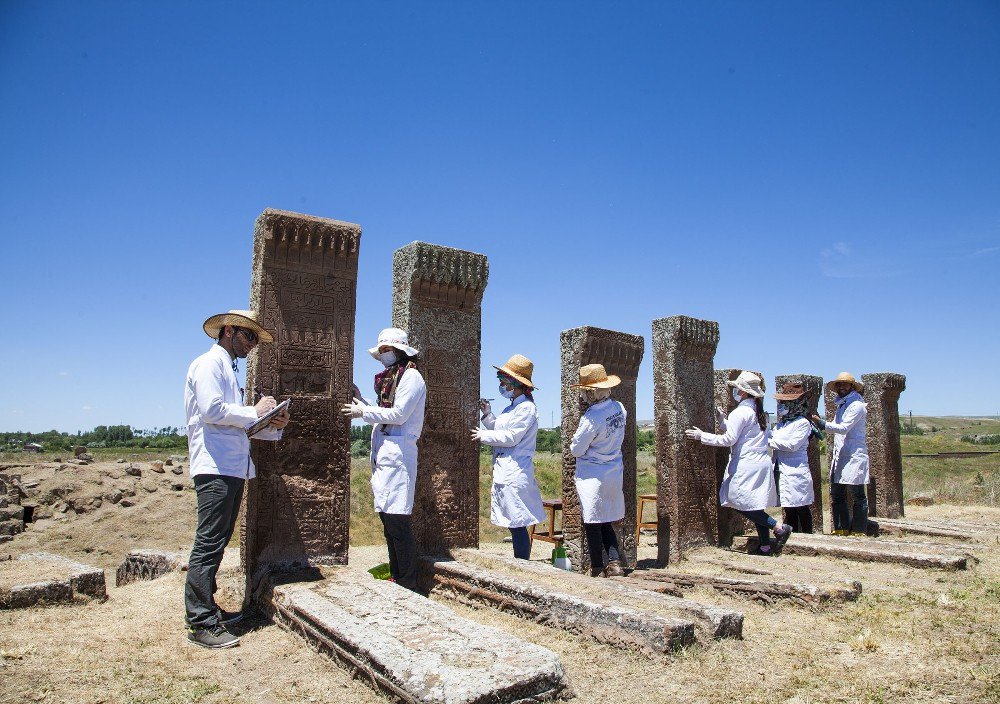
pixel 238 318
pixel 848 377
pixel 593 376
pixel 790 391
pixel 749 382
pixel 520 368
pixel 394 337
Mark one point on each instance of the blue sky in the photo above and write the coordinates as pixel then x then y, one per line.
pixel 821 178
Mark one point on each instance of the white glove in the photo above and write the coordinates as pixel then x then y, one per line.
pixel 484 407
pixel 476 434
pixel 354 409
pixel 720 414
pixel 693 433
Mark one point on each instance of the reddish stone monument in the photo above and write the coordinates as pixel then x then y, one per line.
pixel 687 503
pixel 885 492
pixel 620 353
pixel 437 295
pixel 814 391
pixel 304 283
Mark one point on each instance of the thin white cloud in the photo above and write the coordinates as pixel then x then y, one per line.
pixel 838 262
pixel 63 373
pixel 88 408
pixel 18 412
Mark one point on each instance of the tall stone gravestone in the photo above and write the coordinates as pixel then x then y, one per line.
pixel 814 391
pixel 437 295
pixel 731 523
pixel 885 492
pixel 683 381
pixel 620 353
pixel 304 282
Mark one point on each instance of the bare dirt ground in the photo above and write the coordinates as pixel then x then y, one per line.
pixel 915 635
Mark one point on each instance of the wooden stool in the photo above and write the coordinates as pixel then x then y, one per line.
pixel 551 506
pixel 643 500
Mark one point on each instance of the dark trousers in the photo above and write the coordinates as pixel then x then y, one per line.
pixel 763 522
pixel 842 518
pixel 522 542
pixel 402 546
pixel 219 500
pixel 601 539
pixel 800 518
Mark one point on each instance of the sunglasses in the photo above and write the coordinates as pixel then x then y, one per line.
pixel 250 335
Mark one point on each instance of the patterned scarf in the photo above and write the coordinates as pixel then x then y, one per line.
pixel 799 408
pixel 387 381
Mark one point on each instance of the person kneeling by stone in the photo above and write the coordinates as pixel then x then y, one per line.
pixel 790 443
pixel 748 485
pixel 397 418
pixel 597 446
pixel 515 502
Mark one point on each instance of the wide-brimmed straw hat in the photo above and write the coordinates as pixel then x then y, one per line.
pixel 520 368
pixel 593 376
pixel 790 391
pixel 394 337
pixel 848 377
pixel 237 318
pixel 749 382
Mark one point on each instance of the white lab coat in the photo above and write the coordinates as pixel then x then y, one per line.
pixel 850 449
pixel 597 446
pixel 790 442
pixel 515 499
pixel 217 419
pixel 749 481
pixel 394 444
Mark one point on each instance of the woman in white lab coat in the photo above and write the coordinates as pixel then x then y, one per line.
pixel 748 485
pixel 849 464
pixel 597 447
pixel 397 418
pixel 790 443
pixel 515 502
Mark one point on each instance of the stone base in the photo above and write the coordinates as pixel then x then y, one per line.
pixel 934 529
pixel 413 649
pixel 764 591
pixel 80 580
pixel 867 550
pixel 145 565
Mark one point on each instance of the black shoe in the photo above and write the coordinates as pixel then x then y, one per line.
pixel 782 537
pixel 214 637
pixel 228 618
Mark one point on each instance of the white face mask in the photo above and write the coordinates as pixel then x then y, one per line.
pixel 736 395
pixel 782 410
pixel 387 358
pixel 505 392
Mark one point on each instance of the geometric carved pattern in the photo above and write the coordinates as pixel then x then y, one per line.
pixel 304 283
pixel 687 503
pixel 437 295
pixel 814 391
pixel 620 353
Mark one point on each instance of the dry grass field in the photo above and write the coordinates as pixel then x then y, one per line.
pixel 913 636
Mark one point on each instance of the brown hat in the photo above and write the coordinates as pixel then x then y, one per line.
pixel 238 318
pixel 593 376
pixel 790 391
pixel 519 367
pixel 848 377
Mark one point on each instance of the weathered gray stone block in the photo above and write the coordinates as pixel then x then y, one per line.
pixel 683 380
pixel 621 354
pixel 761 590
pixel 414 649
pixel 915 555
pixel 303 284
pixel 814 392
pixel 885 492
pixel 437 295
pixel 79 579
pixel 145 565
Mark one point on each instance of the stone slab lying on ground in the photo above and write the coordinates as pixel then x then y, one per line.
pixel 599 619
pixel 144 565
pixel 866 550
pixel 767 591
pixel 710 621
pixel 902 526
pixel 61 581
pixel 414 649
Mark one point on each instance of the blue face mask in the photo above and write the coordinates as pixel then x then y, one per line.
pixel 505 392
pixel 736 395
pixel 782 410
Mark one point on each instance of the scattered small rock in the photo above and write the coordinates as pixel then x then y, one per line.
pixel 157 466
pixel 86 456
pixel 149 486
pixel 133 470
pixel 57 459
pixel 177 486
pixel 177 470
pixel 920 500
pixel 120 460
pixel 169 462
pixel 114 496
pixel 127 503
pixel 79 450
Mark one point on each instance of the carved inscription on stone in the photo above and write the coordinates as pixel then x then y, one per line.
pixel 683 380
pixel 885 492
pixel 437 298
pixel 814 391
pixel 303 282
pixel 620 353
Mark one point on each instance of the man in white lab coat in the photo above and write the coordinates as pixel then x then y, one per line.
pixel 849 465
pixel 220 463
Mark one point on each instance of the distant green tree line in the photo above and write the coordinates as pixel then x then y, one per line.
pixel 102 436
